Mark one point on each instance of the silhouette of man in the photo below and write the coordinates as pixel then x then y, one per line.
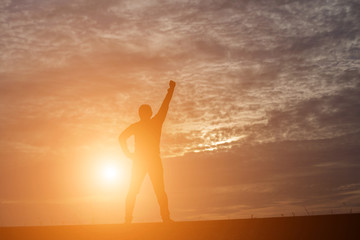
pixel 146 157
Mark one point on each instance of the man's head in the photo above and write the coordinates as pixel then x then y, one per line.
pixel 145 112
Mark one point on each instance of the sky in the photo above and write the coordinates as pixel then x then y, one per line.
pixel 264 121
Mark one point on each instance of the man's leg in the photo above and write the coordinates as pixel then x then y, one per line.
pixel 157 179
pixel 137 177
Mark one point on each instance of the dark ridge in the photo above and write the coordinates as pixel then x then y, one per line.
pixel 342 226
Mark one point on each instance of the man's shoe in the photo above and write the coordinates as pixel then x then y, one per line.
pixel 128 220
pixel 168 220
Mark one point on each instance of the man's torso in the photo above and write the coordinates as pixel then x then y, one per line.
pixel 147 138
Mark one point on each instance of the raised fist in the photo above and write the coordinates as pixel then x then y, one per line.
pixel 172 84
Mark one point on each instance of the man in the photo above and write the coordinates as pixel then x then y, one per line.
pixel 146 157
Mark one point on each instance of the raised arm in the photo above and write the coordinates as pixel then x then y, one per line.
pixel 161 115
pixel 122 140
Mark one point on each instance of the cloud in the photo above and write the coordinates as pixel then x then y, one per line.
pixel 260 176
pixel 321 117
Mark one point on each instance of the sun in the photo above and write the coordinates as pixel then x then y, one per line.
pixel 110 171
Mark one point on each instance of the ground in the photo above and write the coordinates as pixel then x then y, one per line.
pixel 342 226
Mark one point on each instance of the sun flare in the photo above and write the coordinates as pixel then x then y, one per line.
pixel 110 171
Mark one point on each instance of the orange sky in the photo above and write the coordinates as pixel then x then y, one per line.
pixel 263 122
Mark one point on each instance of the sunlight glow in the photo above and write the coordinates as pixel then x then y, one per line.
pixel 110 171
pixel 219 144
